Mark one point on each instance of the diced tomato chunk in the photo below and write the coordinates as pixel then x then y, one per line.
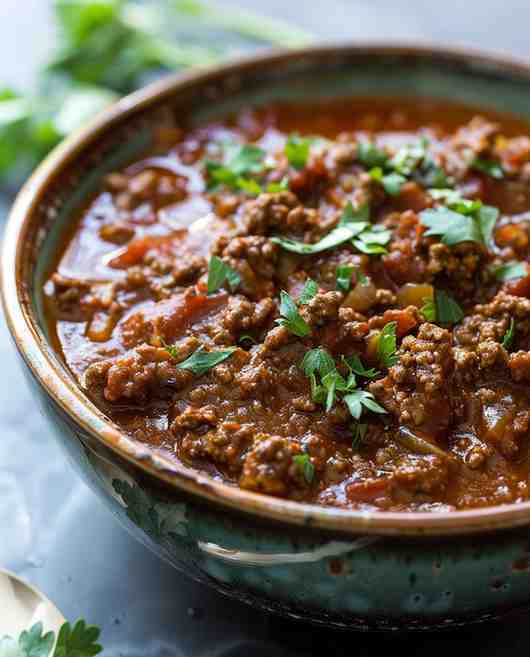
pixel 519 287
pixel 136 250
pixel 367 491
pixel 406 320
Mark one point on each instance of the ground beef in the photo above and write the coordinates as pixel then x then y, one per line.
pixel 418 388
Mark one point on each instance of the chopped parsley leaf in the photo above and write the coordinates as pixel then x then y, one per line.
pixel 508 337
pixel 307 468
pixel 218 273
pixel 352 222
pixel 355 365
pixel 447 309
pixel 428 310
pixel 455 227
pixel 370 155
pixel 343 276
pixel 297 150
pixel 201 361
pixel 317 360
pixel 356 400
pixel 275 187
pixel 308 292
pixel 291 318
pixel 489 167
pixel 239 161
pixel 387 345
pixel 358 434
pixel 510 271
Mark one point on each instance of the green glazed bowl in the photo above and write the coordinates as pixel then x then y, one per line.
pixel 348 569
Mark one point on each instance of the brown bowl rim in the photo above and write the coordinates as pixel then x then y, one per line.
pixel 65 393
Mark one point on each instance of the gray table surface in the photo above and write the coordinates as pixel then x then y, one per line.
pixel 55 533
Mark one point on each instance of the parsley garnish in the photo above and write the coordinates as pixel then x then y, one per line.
pixel 306 466
pixel 355 365
pixel 275 187
pixel 508 337
pixel 308 292
pixel 447 309
pixel 291 318
pixel 370 155
pixel 359 434
pixel 352 223
pixel 372 240
pixel 428 310
pixel 239 161
pixel 297 150
pixel 317 360
pixel 387 345
pixel 489 167
pixel 455 227
pixel 77 641
pixel 218 273
pixel 391 182
pixel 201 361
pixel 510 271
pixel 359 398
pixel 343 276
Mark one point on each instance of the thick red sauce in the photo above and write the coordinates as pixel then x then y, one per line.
pixel 394 374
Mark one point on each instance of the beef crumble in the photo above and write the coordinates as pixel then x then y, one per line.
pixel 334 308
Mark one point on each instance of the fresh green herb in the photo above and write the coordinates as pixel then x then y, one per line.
pixel 361 277
pixel 455 227
pixel 218 273
pixel 447 309
pixel 201 361
pixel 79 641
pixel 387 345
pixel 305 465
pixel 291 318
pixel 431 174
pixel 507 340
pixel 248 185
pixel 408 158
pixel 455 201
pixel 308 292
pixel 428 310
pixel 318 361
pixel 372 240
pixel 171 349
pixel 355 401
pixel 510 271
pixel 355 365
pixel 489 167
pixel 107 48
pixel 369 155
pixel 359 434
pixel 343 277
pixel 297 150
pixel 352 223
pixel 391 182
pixel 247 338
pixel 239 161
pixel 276 187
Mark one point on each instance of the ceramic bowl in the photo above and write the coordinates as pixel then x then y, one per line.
pixel 350 569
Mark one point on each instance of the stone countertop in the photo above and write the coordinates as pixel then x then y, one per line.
pixel 93 568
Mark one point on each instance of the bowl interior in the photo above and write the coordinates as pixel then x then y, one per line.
pixel 50 203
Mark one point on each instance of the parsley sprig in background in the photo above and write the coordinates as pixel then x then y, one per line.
pixel 79 640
